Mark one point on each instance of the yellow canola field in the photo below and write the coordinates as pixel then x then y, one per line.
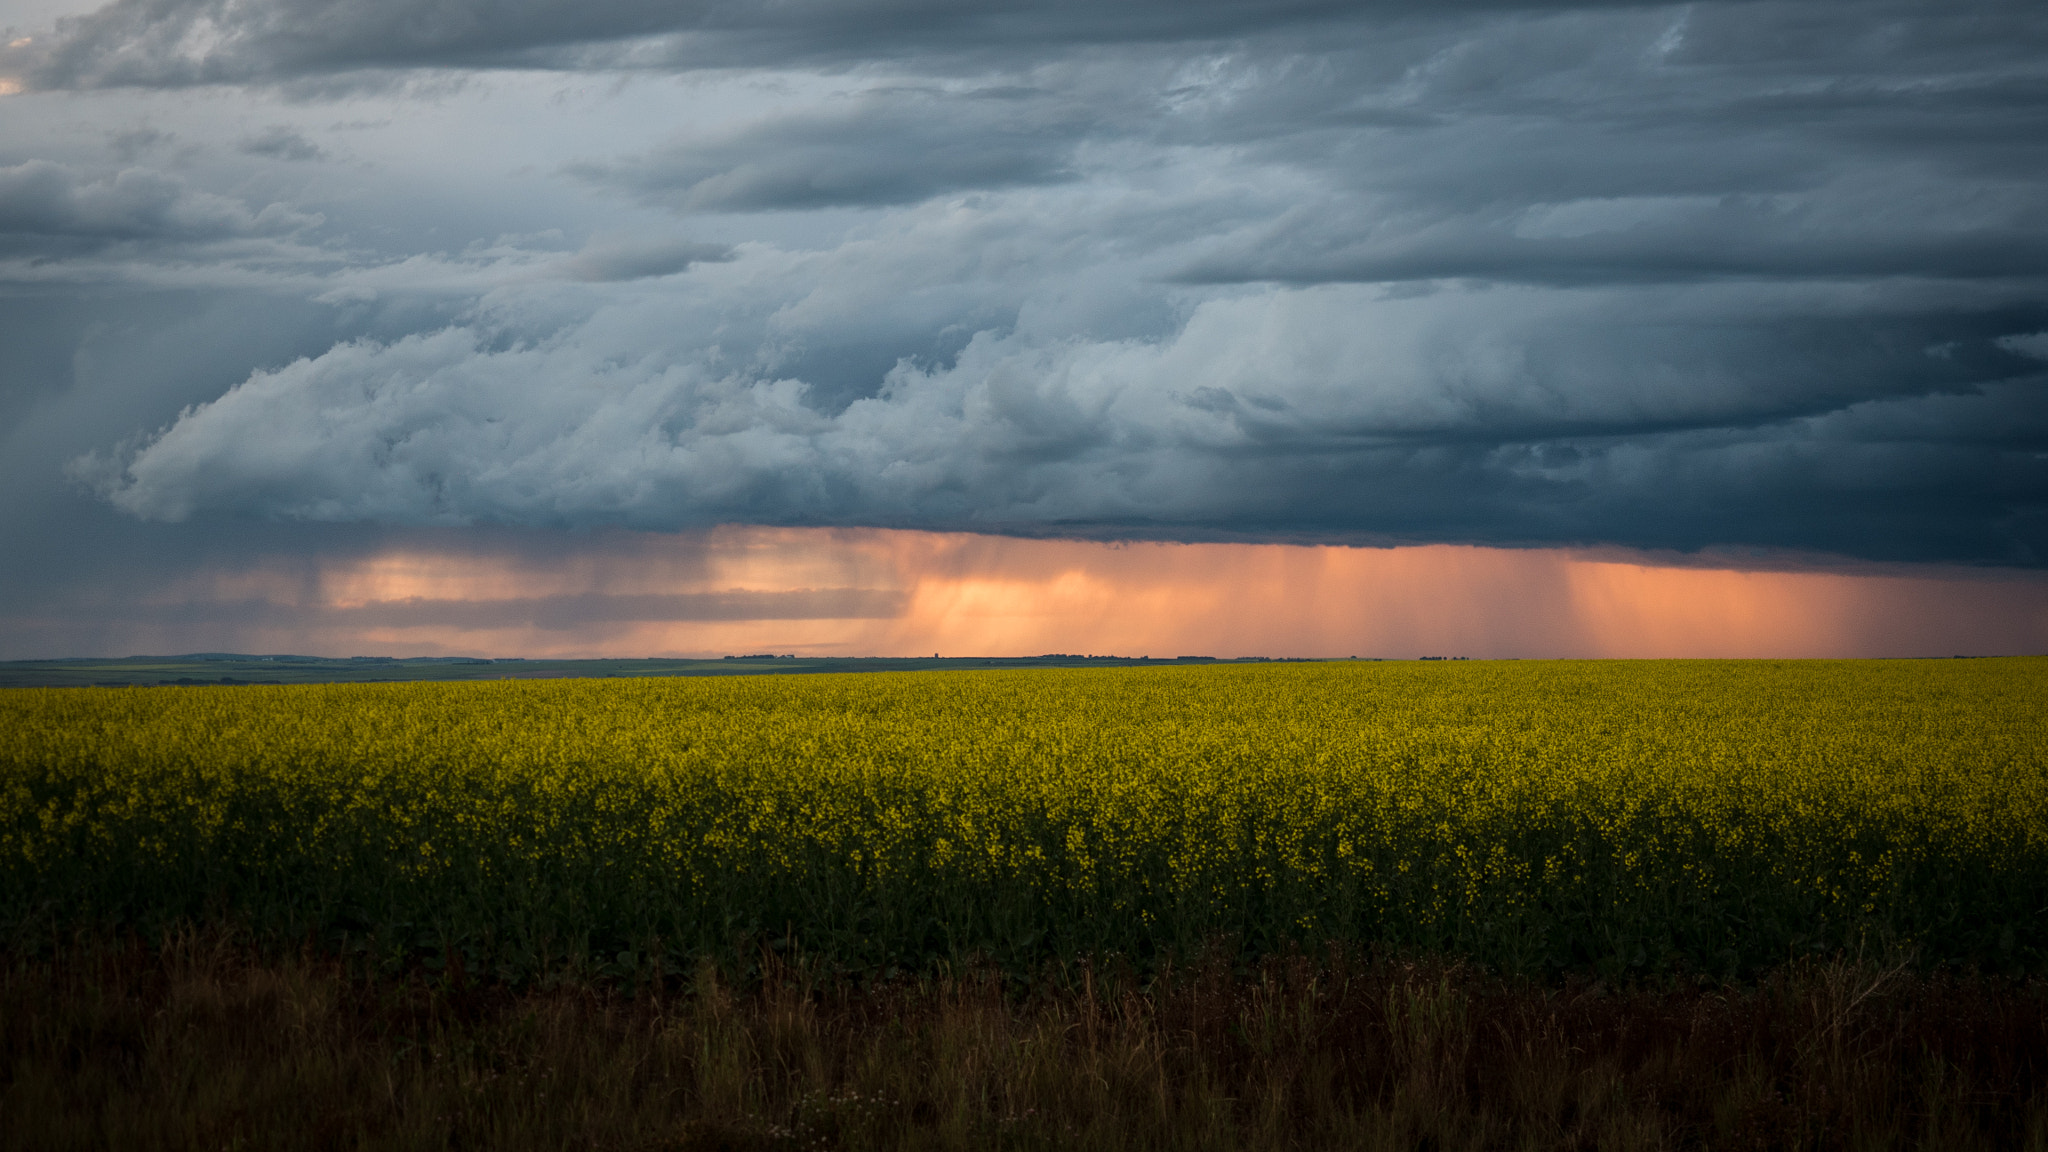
pixel 1717 816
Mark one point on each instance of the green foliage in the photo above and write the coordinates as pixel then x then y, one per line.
pixel 1718 816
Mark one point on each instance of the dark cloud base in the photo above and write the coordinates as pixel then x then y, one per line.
pixel 186 42
pixel 1762 275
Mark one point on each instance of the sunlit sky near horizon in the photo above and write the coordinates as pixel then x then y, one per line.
pixel 636 327
pixel 863 592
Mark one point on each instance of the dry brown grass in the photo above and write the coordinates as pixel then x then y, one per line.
pixel 205 1043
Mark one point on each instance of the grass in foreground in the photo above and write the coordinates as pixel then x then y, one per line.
pixel 207 1044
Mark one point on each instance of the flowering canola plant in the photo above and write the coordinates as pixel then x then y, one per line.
pixel 1719 816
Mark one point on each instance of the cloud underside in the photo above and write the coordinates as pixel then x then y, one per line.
pixel 1326 413
pixel 42 202
pixel 183 42
pixel 1763 274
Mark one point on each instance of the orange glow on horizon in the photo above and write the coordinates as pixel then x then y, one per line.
pixel 900 593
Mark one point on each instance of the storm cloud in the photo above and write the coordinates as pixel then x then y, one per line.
pixel 39 199
pixel 185 42
pixel 894 146
pixel 281 142
pixel 1280 414
pixel 1758 275
pixel 628 258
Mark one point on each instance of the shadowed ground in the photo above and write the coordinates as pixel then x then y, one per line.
pixel 207 1043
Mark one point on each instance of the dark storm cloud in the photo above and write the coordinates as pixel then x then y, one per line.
pixel 183 42
pixel 621 258
pixel 39 199
pixel 131 143
pixel 1897 140
pixel 1251 422
pixel 898 146
pixel 280 142
pixel 1764 274
pixel 1725 239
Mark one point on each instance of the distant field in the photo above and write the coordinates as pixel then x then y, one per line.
pixel 1534 816
pixel 227 668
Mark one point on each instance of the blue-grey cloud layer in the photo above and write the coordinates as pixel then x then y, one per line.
pixel 183 42
pixel 1763 274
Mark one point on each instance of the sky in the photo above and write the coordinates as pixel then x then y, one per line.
pixel 683 327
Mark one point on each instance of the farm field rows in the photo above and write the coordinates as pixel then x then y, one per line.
pixel 1718 817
